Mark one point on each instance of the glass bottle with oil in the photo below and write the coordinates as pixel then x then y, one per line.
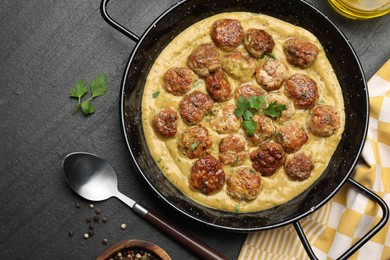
pixel 361 9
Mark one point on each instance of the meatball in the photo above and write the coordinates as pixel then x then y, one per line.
pixel 324 120
pixel 165 122
pixel 287 113
pixel 207 175
pixel 238 66
pixel 179 80
pixel 227 34
pixel 225 121
pixel 271 73
pixel 194 106
pixel 300 52
pixel 299 166
pixel 292 136
pixel 195 141
pixel 204 60
pixel 268 158
pixel 302 90
pixel 247 90
pixel 244 184
pixel 218 87
pixel 258 42
pixel 232 151
pixel 265 129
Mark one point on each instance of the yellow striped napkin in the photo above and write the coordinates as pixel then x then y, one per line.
pixel 349 215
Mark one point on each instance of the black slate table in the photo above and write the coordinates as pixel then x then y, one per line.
pixel 45 47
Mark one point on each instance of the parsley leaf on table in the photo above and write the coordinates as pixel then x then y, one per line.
pixel 98 88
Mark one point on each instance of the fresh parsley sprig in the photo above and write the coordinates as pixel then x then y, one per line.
pixel 247 108
pixel 274 109
pixel 98 88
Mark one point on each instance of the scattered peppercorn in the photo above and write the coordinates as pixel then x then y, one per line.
pixel 104 219
pixel 105 241
pixel 123 226
pixel 77 205
pixel 96 218
pixel 71 233
pixel 88 219
pixel 97 210
pixel 90 233
pixel 91 226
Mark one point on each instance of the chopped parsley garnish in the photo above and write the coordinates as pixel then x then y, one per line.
pixel 328 119
pixel 155 94
pixel 234 164
pixel 194 145
pixel 270 54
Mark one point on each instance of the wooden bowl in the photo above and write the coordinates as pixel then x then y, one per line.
pixel 134 244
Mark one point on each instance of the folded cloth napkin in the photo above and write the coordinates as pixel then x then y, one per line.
pixel 349 215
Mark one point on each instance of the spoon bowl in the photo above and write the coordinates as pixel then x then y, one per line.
pixel 90 176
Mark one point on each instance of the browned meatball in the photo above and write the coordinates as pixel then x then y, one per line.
pixel 299 166
pixel 218 87
pixel 165 122
pixel 232 150
pixel 227 34
pixel 292 136
pixel 179 80
pixel 324 120
pixel 195 141
pixel 204 60
pixel 243 184
pixel 265 129
pixel 271 73
pixel 194 106
pixel 300 52
pixel 225 121
pixel 247 90
pixel 302 90
pixel 207 175
pixel 268 158
pixel 258 42
pixel 238 66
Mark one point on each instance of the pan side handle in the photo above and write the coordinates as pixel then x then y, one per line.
pixel 385 216
pixel 116 25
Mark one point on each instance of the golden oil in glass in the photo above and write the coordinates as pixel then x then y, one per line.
pixel 361 9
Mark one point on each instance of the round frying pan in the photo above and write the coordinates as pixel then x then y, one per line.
pixel 349 73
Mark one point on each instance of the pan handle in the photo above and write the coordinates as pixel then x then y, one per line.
pixel 385 216
pixel 113 23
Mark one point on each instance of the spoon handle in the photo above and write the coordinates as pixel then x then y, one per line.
pixel 180 236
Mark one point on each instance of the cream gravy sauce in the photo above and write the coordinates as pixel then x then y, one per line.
pixel 276 189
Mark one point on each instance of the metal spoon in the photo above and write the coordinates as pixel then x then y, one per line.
pixel 94 179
